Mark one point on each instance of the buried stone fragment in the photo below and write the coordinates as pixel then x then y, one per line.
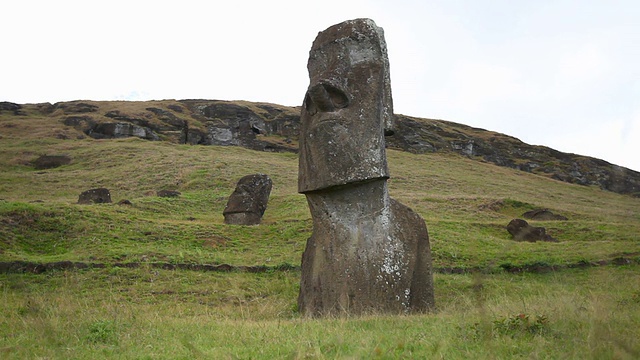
pixel 51 161
pixel 248 202
pixel 95 196
pixel 520 230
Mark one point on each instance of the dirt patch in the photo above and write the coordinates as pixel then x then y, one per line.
pixel 16 267
pixel 214 241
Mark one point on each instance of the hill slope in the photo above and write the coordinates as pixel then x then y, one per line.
pixel 141 297
pixel 466 204
pixel 270 127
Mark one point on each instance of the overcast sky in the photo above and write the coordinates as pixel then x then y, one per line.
pixel 564 74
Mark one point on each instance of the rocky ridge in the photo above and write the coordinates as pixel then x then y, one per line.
pixel 271 127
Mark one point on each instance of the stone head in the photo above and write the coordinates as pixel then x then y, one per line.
pixel 347 108
pixel 250 195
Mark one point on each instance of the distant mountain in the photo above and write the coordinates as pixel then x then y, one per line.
pixel 271 127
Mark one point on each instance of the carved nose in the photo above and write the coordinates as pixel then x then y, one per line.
pixel 325 98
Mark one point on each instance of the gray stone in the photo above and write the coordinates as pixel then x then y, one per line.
pixel 347 108
pixel 95 196
pixel 367 253
pixel 248 202
pixel 520 230
pixel 83 123
pixel 121 130
pixel 51 161
pixel 12 107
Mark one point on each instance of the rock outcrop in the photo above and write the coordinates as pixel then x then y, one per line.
pixel 16 109
pixel 120 130
pixel 270 127
pixel 367 253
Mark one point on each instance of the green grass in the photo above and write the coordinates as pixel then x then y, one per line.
pixel 147 312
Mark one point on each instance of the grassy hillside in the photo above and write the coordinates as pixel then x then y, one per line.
pixel 149 312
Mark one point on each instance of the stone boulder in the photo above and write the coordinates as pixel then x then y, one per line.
pixel 95 196
pixel 520 230
pixel 248 202
pixel 542 215
pixel 51 161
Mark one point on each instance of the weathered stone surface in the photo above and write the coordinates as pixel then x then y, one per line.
pixel 12 107
pixel 120 130
pixel 542 214
pixel 176 108
pixel 248 202
pixel 83 123
pixel 347 108
pixel 367 253
pixel 51 161
pixel 95 196
pixel 520 230
pixel 236 125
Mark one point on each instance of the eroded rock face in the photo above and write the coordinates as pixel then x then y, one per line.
pixel 368 253
pixel 520 230
pixel 120 130
pixel 12 107
pixel 248 202
pixel 95 196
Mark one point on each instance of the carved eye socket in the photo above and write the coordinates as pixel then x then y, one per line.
pixel 325 98
pixel 337 96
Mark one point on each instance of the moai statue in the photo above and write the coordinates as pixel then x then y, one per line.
pixel 367 253
pixel 95 196
pixel 248 202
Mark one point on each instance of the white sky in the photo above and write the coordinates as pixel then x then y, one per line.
pixel 565 74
